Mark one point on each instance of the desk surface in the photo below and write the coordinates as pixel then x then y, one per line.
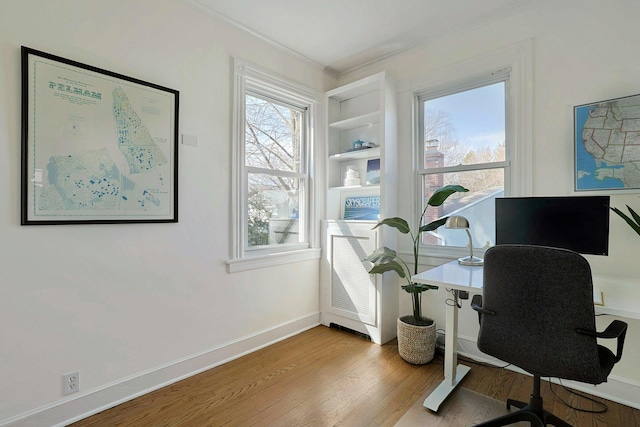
pixel 469 278
pixel 452 275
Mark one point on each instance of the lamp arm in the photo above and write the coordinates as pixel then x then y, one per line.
pixel 470 244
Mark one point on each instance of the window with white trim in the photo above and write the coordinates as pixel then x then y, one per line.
pixel 511 66
pixel 463 139
pixel 272 152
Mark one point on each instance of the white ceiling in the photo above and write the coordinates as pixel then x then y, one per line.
pixel 345 34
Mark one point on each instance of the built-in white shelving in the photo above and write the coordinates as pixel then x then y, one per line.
pixel 362 111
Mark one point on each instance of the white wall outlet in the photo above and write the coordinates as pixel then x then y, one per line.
pixel 70 383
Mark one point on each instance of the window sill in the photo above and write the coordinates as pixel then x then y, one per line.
pixel 269 260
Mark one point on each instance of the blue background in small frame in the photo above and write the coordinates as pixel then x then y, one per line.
pixel 362 208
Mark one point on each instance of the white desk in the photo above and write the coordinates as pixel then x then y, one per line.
pixel 462 278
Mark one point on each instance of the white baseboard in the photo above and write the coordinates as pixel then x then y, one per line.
pixel 110 395
pixel 616 389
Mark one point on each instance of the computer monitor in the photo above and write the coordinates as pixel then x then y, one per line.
pixel 579 223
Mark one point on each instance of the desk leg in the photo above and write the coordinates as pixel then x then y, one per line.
pixel 453 373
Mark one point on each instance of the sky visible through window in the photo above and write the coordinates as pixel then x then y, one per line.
pixel 462 130
pixel 477 114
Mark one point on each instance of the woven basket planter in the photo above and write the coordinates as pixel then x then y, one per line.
pixel 416 344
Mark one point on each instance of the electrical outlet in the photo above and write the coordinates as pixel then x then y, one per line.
pixel 70 383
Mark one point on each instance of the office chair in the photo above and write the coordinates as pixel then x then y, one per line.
pixel 537 313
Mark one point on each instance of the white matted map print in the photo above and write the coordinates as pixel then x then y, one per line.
pixel 98 147
pixel 607 144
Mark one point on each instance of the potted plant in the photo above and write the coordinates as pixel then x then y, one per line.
pixel 416 334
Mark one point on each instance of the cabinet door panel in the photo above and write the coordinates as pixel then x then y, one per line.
pixel 352 288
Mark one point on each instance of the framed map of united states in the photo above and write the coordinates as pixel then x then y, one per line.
pixel 607 144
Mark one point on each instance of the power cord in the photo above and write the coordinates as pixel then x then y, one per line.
pixel 453 299
pixel 479 363
pixel 602 407
pixel 468 358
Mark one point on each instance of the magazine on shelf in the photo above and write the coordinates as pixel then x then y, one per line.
pixel 362 207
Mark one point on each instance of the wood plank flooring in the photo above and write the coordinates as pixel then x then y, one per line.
pixel 327 377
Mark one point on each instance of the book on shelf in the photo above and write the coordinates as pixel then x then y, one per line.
pixel 362 208
pixel 373 172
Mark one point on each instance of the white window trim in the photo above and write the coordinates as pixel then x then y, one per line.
pixel 518 60
pixel 487 79
pixel 242 258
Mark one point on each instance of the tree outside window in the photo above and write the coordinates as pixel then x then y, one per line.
pixel 274 141
pixel 463 142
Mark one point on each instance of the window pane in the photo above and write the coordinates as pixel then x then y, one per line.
pixel 272 135
pixel 273 207
pixel 478 206
pixel 466 127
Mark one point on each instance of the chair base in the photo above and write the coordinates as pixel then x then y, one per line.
pixel 531 412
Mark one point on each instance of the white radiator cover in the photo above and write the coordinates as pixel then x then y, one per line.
pixel 353 289
pixel 350 296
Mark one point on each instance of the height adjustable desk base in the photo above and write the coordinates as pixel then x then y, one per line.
pixel 440 394
pixel 458 277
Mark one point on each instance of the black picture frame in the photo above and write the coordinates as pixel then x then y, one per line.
pixel 606 137
pixel 98 147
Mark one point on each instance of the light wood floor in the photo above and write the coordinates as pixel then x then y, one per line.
pixel 327 377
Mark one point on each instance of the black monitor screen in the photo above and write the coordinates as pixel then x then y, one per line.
pixel 577 223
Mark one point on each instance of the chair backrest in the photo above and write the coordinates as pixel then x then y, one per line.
pixel 540 296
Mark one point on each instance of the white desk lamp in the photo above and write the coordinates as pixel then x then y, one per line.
pixel 460 222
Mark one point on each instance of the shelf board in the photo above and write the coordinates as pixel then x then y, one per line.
pixel 355 89
pixel 356 122
pixel 357 187
pixel 358 154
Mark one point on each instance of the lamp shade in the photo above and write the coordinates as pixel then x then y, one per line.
pixel 457 221
pixel 461 223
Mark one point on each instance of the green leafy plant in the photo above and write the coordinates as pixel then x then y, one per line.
pixel 633 220
pixel 385 259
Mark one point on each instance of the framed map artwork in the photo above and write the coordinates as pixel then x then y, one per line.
pixel 97 146
pixel 607 144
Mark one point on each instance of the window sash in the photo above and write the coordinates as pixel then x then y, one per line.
pixel 274 99
pixel 501 75
pixel 277 172
pixel 300 162
pixel 301 176
pixel 421 97
pixel 302 202
pixel 518 59
pixel 252 81
pixel 464 168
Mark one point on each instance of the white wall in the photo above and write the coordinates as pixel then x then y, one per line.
pixel 136 305
pixel 126 302
pixel 583 51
